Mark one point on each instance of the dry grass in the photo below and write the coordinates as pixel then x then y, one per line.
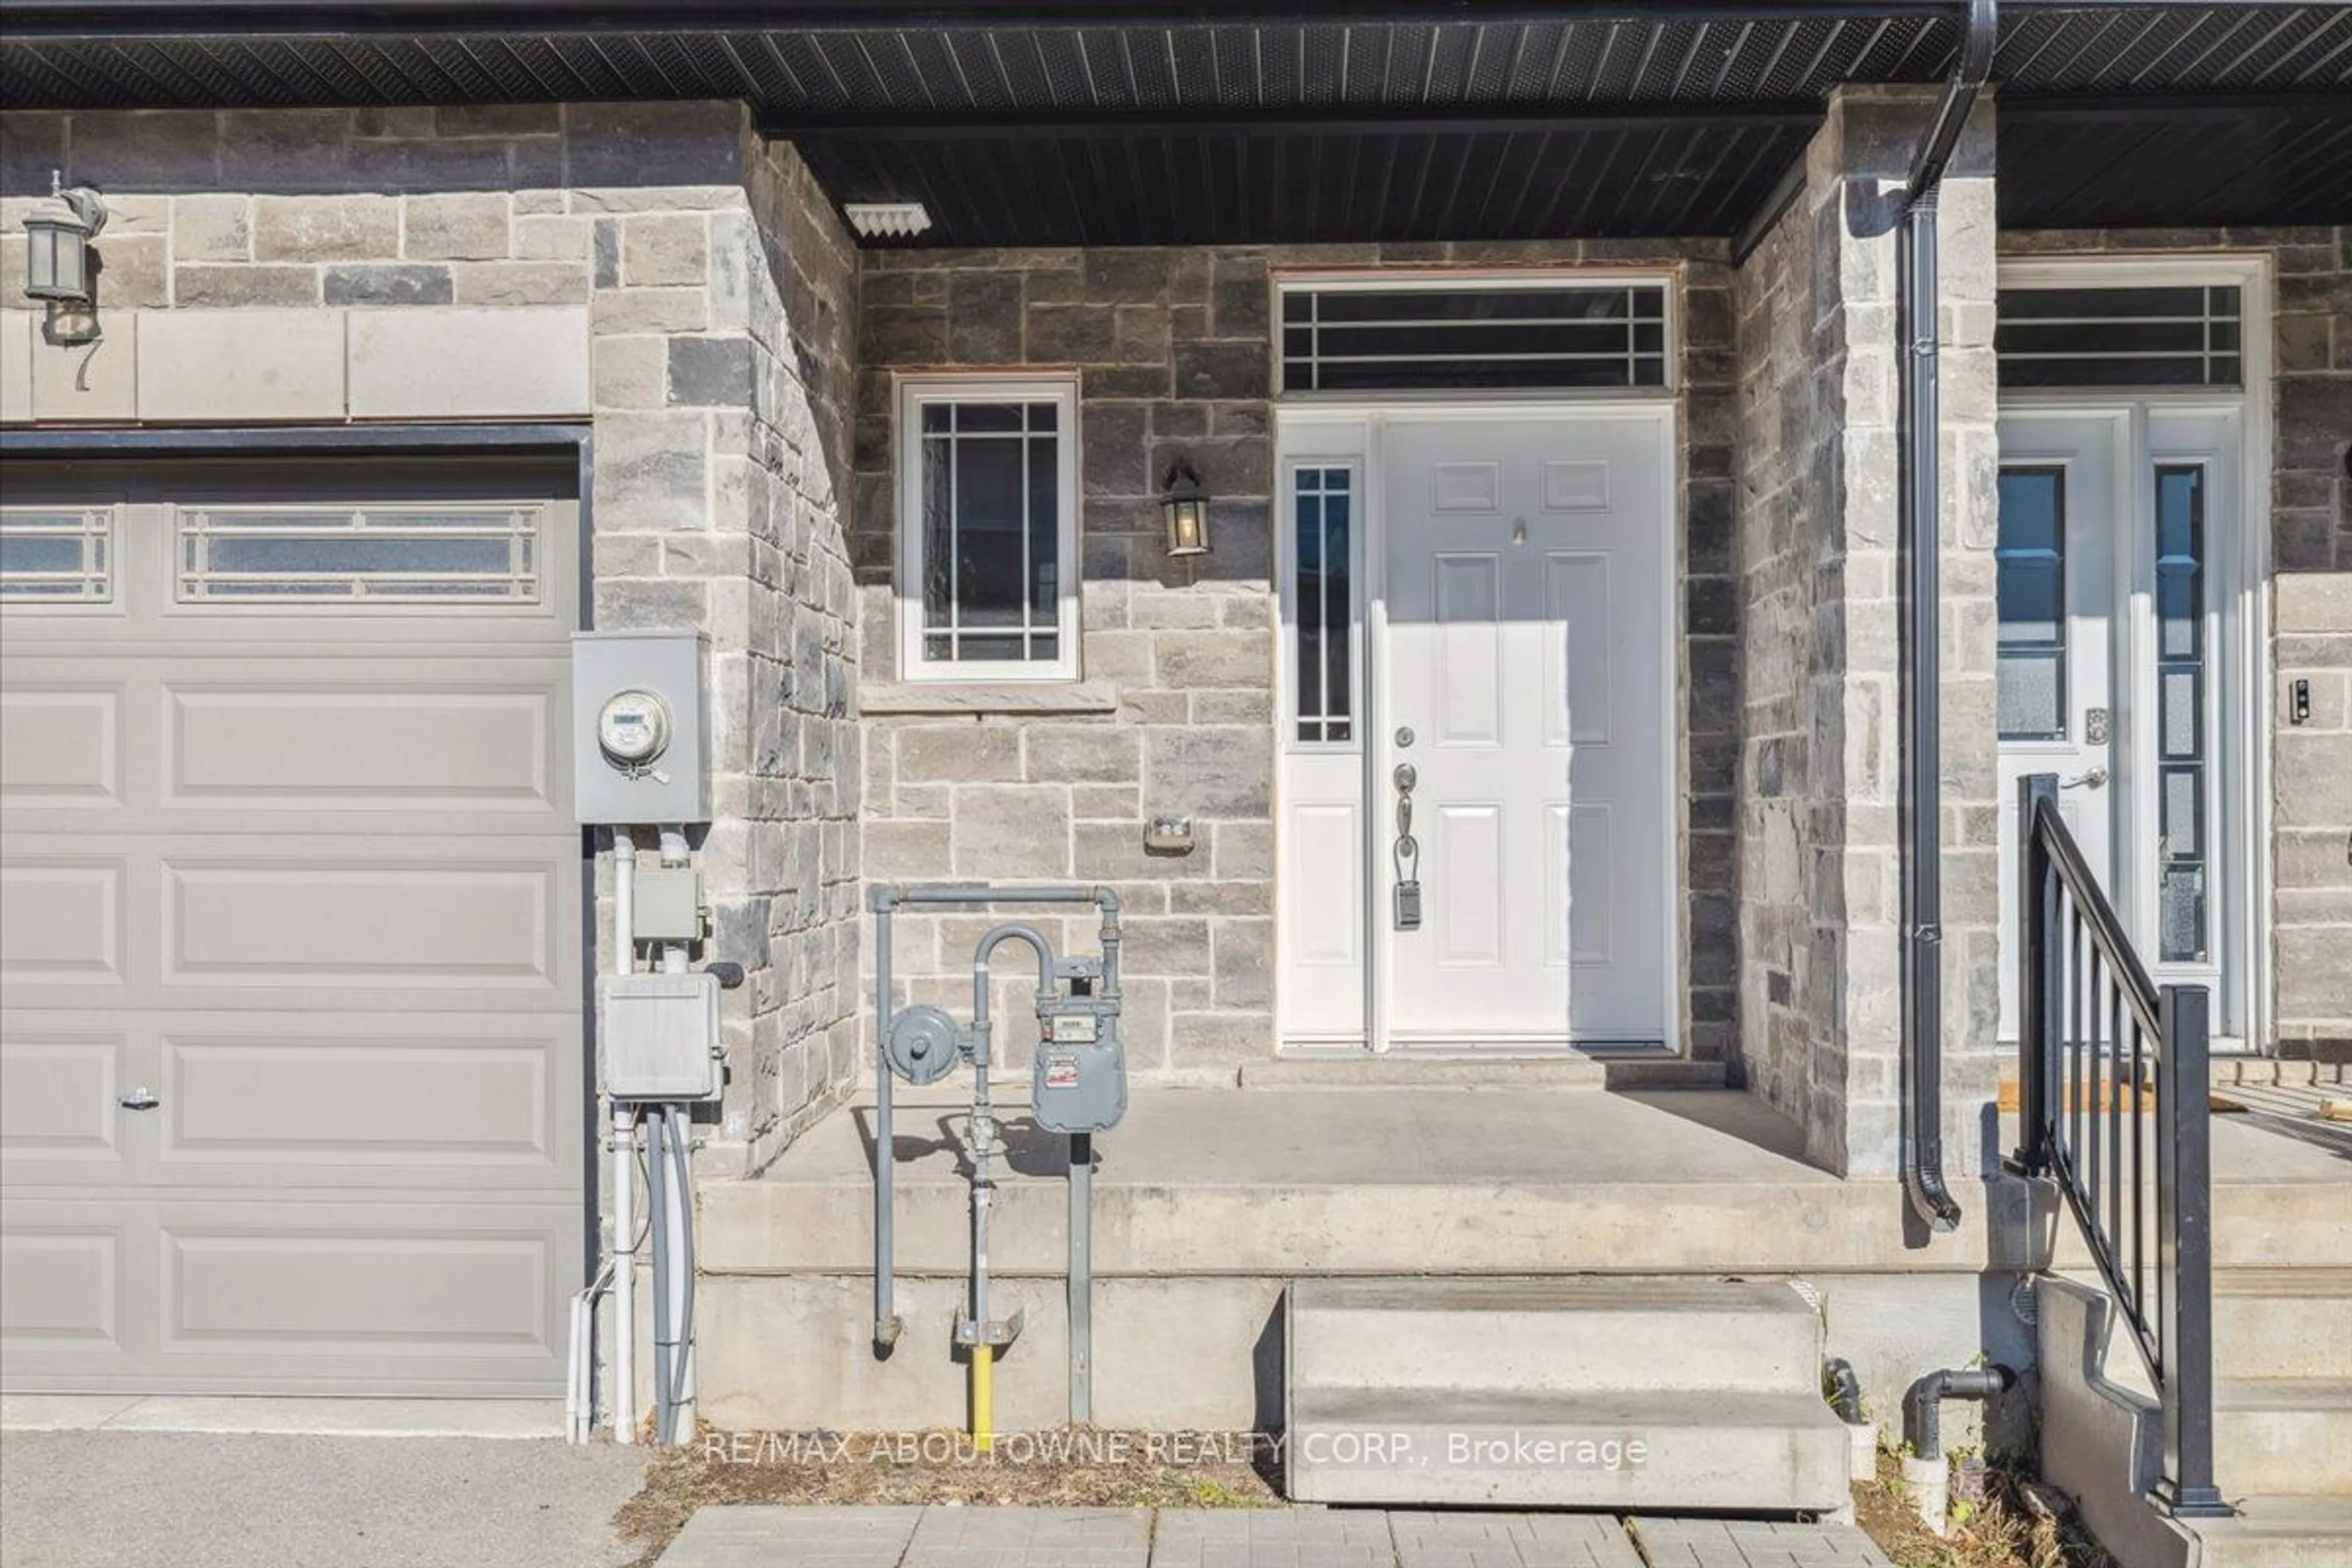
pixel 2017 1523
pixel 1112 1471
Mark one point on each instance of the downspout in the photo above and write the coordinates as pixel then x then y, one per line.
pixel 1918 497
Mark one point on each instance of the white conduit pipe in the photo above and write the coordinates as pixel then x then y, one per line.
pixel 624 1141
pixel 675 1370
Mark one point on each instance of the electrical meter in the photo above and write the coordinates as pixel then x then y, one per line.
pixel 633 727
pixel 640 752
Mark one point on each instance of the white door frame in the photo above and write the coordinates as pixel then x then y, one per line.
pixel 2241 595
pixel 1328 431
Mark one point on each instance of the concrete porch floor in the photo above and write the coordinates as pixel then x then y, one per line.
pixel 1435 1178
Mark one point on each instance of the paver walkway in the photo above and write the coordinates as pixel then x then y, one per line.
pixel 957 1537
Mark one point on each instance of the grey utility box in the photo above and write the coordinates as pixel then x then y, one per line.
pixel 641 743
pixel 660 1034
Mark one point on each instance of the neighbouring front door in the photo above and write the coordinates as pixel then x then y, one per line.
pixel 2120 616
pixel 1520 772
pixel 2059 521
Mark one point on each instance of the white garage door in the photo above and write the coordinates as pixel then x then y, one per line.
pixel 290 926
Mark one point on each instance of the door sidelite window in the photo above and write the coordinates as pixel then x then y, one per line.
pixel 2031 561
pixel 986 531
pixel 1324 499
pixel 2183 872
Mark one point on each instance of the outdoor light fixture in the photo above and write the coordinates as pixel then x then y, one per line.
pixel 1186 506
pixel 58 233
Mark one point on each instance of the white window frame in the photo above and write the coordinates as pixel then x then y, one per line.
pixel 915 393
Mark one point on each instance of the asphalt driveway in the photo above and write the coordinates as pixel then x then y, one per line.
pixel 196 1499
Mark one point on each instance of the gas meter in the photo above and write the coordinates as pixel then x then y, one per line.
pixel 637 705
pixel 1077 1081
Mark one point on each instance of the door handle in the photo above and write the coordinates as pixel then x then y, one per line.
pixel 2094 779
pixel 139 1098
pixel 1405 854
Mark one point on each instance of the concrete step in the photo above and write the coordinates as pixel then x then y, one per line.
pixel 2279 1533
pixel 1645 1451
pixel 2283 1322
pixel 1556 1335
pixel 2284 1436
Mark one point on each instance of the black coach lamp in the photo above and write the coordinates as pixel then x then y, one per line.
pixel 58 233
pixel 1186 507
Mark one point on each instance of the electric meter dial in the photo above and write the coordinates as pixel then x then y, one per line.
pixel 632 728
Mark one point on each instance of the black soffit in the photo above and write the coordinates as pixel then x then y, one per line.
pixel 1314 121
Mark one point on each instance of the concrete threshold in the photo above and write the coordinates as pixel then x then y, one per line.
pixel 326 1417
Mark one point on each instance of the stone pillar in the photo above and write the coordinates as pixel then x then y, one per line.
pixel 1818 822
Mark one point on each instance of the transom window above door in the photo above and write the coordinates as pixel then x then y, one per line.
pixel 987 536
pixel 1437 334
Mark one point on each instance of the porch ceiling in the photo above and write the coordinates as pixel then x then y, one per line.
pixel 1314 120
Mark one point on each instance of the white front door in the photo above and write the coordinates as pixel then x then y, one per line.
pixel 1522 695
pixel 2122 621
pixel 2061 515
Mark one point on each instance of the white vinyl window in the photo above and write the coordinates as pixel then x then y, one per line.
pixel 988 531
pixel 58 555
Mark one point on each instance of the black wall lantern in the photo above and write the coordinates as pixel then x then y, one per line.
pixel 1186 507
pixel 58 233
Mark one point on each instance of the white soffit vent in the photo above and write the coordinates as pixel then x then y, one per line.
pixel 888 220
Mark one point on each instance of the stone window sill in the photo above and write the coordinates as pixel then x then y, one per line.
pixel 981 697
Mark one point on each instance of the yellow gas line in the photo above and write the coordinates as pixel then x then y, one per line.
pixel 983 1395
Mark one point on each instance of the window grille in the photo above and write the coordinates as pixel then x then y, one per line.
pixel 1323 499
pixel 407 554
pixel 2171 336
pixel 987 529
pixel 1473 338
pixel 58 557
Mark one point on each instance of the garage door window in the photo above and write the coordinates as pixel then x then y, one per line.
pixel 62 555
pixel 406 555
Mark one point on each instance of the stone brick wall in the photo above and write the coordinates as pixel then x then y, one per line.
pixel 719 292
pixel 2311 605
pixel 1174 716
pixel 1819 830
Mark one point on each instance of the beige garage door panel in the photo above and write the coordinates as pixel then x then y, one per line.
pixel 432 742
pixel 62 1289
pixel 380 921
pixel 285 1298
pixel 60 743
pixel 289 1100
pixel 304 872
pixel 59 1077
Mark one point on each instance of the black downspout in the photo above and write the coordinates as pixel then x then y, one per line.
pixel 1918 497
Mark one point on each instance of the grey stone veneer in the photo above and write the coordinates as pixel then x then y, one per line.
pixel 1819 830
pixel 1173 347
pixel 720 294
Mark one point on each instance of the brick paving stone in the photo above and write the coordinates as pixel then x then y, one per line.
pixel 1030 1538
pixel 1750 1543
pixel 1272 1538
pixel 1510 1540
pixel 760 1536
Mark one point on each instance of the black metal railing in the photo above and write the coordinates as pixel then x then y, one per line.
pixel 2114 1098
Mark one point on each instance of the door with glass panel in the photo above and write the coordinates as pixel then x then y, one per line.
pixel 2117 618
pixel 2056 556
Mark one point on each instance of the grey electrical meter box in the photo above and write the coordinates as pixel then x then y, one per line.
pixel 660 1035
pixel 640 745
pixel 1077 1080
